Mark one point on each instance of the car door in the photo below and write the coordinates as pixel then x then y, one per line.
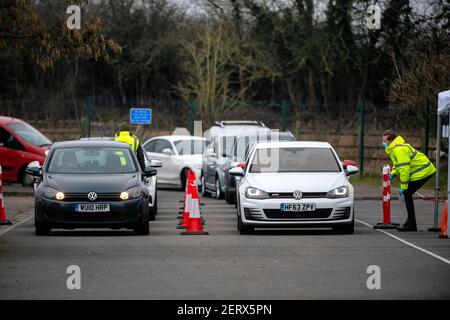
pixel 154 150
pixel 210 164
pixel 10 150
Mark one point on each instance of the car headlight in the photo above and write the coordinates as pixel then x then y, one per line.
pixel 132 193
pixel 51 193
pixel 253 193
pixel 341 192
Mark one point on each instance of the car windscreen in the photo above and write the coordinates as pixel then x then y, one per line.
pixel 187 147
pixel 29 134
pixel 87 160
pixel 294 160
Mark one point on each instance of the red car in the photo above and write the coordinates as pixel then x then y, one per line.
pixel 20 144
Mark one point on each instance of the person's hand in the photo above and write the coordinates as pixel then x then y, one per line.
pixel 392 176
pixel 401 192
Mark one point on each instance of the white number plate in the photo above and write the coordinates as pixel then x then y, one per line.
pixel 297 207
pixel 92 207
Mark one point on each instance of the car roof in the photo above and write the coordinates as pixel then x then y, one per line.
pixel 89 143
pixel 293 144
pixel 8 120
pixel 177 137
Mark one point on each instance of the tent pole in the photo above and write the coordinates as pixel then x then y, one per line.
pixel 438 163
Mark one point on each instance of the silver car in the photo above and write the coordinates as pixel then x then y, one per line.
pixel 178 153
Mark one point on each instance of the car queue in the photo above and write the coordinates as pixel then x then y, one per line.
pixel 273 180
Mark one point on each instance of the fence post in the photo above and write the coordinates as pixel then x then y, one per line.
pixel 89 115
pixel 191 115
pixel 427 129
pixel 283 115
pixel 361 137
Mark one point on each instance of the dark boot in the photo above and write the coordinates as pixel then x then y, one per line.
pixel 408 226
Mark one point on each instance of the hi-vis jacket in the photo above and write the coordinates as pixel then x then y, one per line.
pixel 409 164
pixel 128 137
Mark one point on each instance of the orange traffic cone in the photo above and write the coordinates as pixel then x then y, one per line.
pixel 187 203
pixel 3 220
pixel 444 221
pixel 182 209
pixel 194 226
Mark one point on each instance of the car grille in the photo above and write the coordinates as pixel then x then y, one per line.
pixel 317 214
pixel 84 197
pixel 289 195
pixel 341 213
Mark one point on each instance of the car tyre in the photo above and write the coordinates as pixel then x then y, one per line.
pixel 153 211
pixel 183 178
pixel 243 229
pixel 219 194
pixel 204 192
pixel 42 231
pixel 142 230
pixel 346 228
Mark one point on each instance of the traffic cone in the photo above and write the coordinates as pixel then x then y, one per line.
pixel 187 203
pixel 3 220
pixel 195 225
pixel 182 209
pixel 444 221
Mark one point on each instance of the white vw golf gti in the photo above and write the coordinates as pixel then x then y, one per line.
pixel 294 184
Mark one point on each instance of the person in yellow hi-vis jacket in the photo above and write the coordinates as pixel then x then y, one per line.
pixel 413 169
pixel 124 135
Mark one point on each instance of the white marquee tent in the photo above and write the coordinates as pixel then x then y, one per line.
pixel 443 110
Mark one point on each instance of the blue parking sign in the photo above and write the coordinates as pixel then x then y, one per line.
pixel 140 116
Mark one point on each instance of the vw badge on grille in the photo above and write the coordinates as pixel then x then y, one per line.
pixel 297 195
pixel 92 196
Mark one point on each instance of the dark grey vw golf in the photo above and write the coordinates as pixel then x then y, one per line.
pixel 91 184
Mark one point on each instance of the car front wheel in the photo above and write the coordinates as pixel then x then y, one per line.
pixel 243 229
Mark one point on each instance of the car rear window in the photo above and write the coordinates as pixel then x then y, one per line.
pixel 294 160
pixel 91 160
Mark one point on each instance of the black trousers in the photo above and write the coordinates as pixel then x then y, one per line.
pixel 413 186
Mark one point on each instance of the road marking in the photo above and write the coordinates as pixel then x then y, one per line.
pixel 27 216
pixel 406 242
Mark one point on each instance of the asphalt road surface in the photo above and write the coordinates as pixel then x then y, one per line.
pixel 272 264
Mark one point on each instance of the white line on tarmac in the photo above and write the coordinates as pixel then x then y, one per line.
pixel 27 215
pixel 406 242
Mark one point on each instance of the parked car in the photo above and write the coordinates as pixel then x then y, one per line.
pixel 218 151
pixel 239 152
pixel 20 144
pixel 294 185
pixel 221 127
pixel 151 182
pixel 177 154
pixel 91 184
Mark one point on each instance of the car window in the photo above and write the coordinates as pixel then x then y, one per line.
pixel 29 134
pixel 226 145
pixel 161 145
pixel 7 140
pixel 151 146
pixel 185 147
pixel 91 160
pixel 294 160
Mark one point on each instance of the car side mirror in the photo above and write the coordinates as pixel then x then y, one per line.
pixel 237 172
pixel 346 163
pixel 34 171
pixel 150 172
pixel 351 169
pixel 210 152
pixel 155 163
pixel 167 151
